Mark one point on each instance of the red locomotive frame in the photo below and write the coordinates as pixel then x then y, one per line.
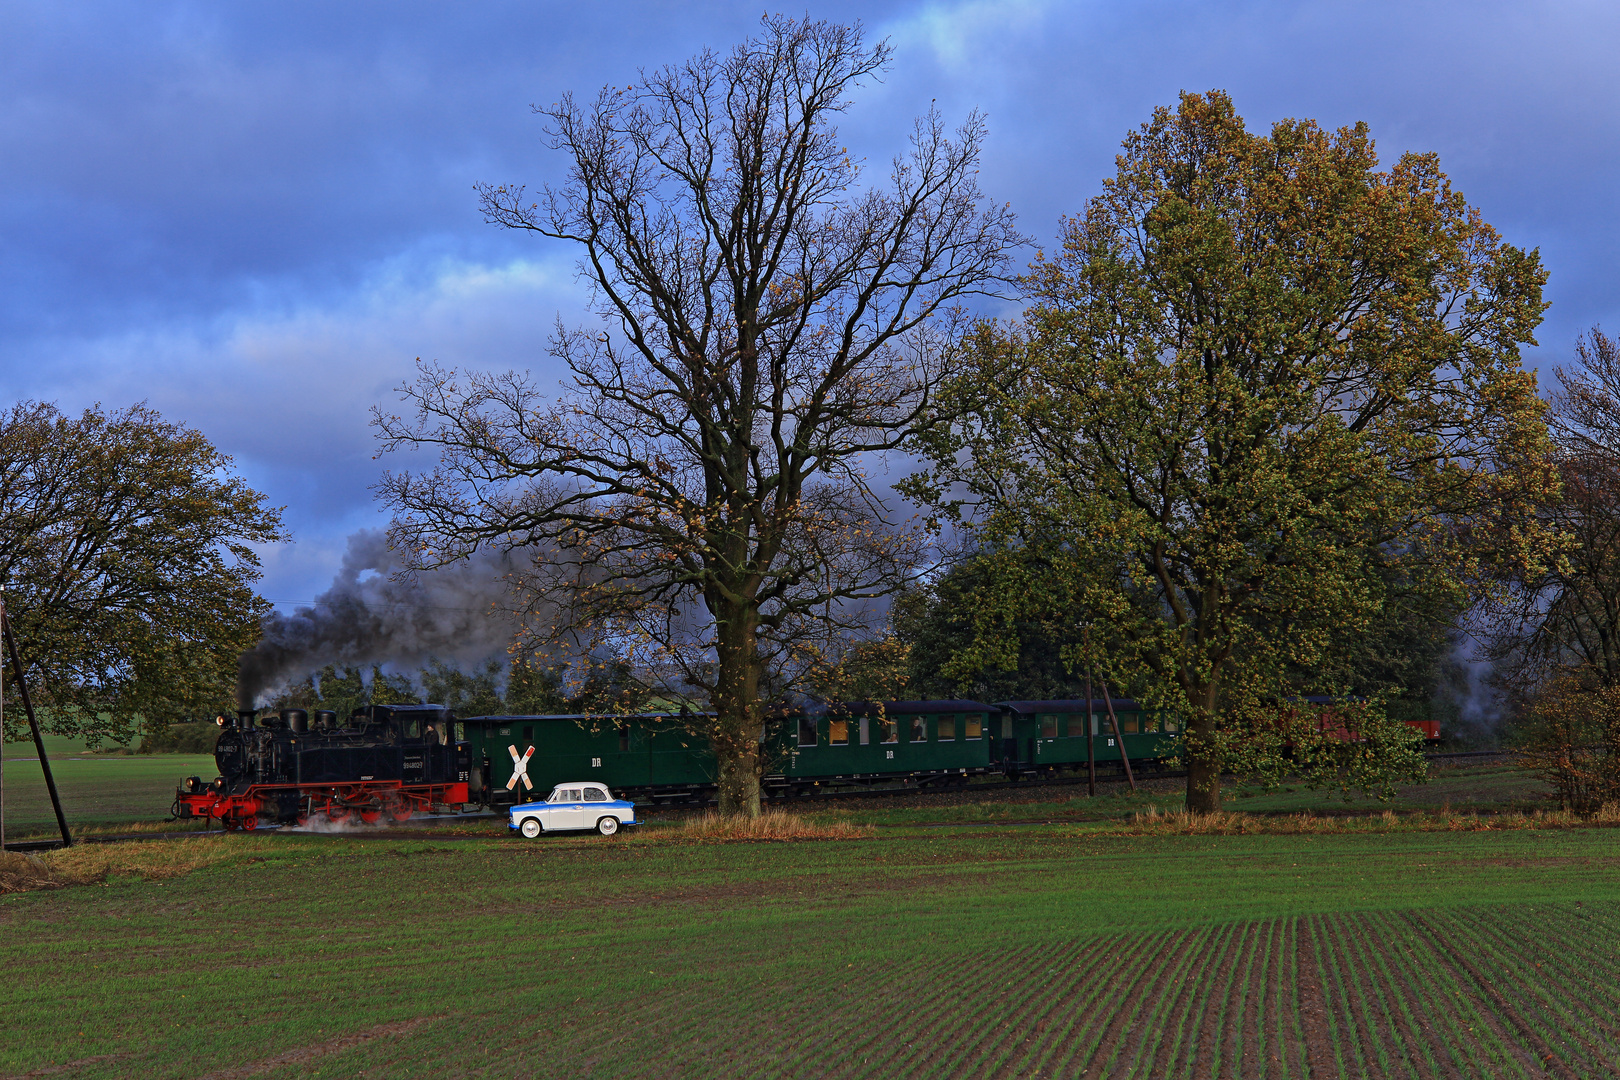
pixel 368 800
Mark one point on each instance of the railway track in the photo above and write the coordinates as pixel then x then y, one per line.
pixel 1115 777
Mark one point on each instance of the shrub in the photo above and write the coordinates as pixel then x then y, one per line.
pixel 1571 738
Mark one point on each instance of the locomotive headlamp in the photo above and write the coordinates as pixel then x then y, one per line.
pixel 220 719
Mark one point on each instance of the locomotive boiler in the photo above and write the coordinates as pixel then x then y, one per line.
pixel 393 760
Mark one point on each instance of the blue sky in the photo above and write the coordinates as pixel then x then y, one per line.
pixel 255 216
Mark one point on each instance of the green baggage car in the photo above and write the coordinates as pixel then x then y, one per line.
pixel 650 756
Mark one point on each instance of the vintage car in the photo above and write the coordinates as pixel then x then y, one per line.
pixel 583 804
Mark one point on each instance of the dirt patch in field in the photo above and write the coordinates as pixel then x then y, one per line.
pixel 321 1049
pixel 66 1066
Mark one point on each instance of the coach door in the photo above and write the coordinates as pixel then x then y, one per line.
pixel 1009 741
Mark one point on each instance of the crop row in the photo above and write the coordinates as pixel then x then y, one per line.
pixel 1527 991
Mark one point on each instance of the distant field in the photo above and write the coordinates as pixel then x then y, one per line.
pixel 994 951
pixel 98 791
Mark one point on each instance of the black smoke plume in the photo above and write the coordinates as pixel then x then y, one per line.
pixel 456 614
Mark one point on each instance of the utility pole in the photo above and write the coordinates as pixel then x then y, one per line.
pixel 1091 728
pixel 1119 736
pixel 1091 742
pixel 2 734
pixel 33 725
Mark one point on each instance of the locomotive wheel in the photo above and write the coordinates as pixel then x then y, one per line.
pixel 336 813
pixel 398 809
pixel 301 819
pixel 250 823
pixel 607 826
pixel 371 814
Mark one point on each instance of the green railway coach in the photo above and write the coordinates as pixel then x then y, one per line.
pixel 1048 737
pixel 930 742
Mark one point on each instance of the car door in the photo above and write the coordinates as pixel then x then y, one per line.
pixel 565 810
pixel 596 806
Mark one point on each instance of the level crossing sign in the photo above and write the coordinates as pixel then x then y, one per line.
pixel 520 768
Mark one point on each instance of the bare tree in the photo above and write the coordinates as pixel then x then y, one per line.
pixel 771 325
pixel 1564 620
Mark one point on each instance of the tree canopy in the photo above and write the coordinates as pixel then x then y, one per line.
pixel 1264 389
pixel 771 321
pixel 126 552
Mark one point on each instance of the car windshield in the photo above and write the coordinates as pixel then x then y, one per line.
pixel 595 794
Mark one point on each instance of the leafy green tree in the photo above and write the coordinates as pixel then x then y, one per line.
pixel 938 622
pixel 770 325
pixel 477 693
pixel 126 552
pixel 1260 380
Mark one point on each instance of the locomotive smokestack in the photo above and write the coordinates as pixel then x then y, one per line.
pixel 244 718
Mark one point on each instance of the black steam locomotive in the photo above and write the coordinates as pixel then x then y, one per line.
pixel 393 760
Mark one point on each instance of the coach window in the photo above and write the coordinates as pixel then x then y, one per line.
pixel 1170 725
pixel 1129 723
pixel 1048 725
pixel 1076 725
pixel 919 729
pixel 1150 724
pixel 974 727
pixel 866 730
pixel 946 727
pixel 624 738
pixel 838 732
pixel 807 731
pixel 888 731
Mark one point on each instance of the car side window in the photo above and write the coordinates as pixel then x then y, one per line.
pixel 558 796
pixel 573 795
pixel 595 794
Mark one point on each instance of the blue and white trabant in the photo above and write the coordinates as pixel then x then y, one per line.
pixel 584 804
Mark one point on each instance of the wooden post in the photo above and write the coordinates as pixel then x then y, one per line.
pixel 1120 735
pixel 33 725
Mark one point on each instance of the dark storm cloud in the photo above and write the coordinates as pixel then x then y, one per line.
pixel 257 215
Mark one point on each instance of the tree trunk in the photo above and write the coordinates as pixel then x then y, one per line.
pixel 1203 761
pixel 736 740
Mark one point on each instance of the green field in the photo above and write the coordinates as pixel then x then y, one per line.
pixel 972 951
pixel 99 791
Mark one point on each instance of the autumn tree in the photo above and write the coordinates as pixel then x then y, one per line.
pixel 1262 383
pixel 770 324
pixel 126 552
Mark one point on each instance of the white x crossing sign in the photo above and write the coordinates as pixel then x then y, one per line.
pixel 520 768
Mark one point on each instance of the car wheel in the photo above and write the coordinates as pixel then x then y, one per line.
pixel 530 827
pixel 608 826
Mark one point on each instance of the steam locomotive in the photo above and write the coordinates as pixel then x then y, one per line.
pixel 393 760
